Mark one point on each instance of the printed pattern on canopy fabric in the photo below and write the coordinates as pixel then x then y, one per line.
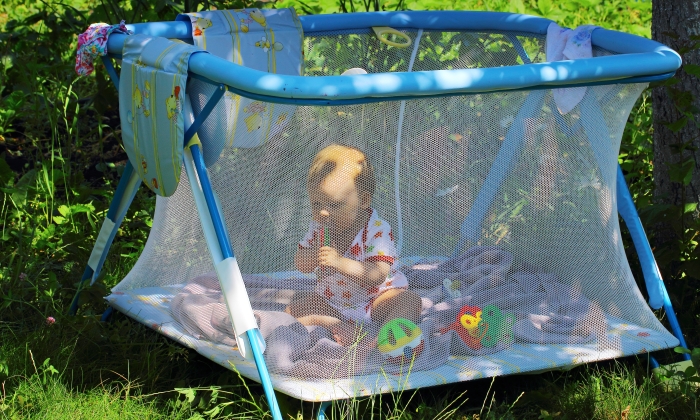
pixel 151 95
pixel 267 40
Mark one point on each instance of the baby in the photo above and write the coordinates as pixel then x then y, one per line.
pixel 351 247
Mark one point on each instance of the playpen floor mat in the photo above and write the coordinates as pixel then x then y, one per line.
pixel 151 306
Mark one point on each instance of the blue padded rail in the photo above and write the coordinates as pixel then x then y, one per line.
pixel 619 42
pixel 355 101
pixel 640 58
pixel 418 84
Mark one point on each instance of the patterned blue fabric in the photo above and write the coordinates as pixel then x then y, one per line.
pixel 151 95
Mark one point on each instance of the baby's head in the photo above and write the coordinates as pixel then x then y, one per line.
pixel 341 184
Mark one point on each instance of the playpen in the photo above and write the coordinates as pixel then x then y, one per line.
pixel 494 140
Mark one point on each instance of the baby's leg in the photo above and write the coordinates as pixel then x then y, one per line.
pixel 312 309
pixel 396 303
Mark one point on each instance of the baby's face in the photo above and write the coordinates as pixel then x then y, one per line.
pixel 337 203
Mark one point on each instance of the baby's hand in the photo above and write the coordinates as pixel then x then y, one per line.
pixel 328 257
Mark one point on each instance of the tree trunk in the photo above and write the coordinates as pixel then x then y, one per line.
pixel 673 23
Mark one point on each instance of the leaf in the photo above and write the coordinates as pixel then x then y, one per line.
pixel 6 174
pixel 544 7
pixel 689 372
pixel 214 411
pixel 682 172
pixel 693 69
pixel 681 350
pixel 518 207
pixel 518 6
pixel 656 212
pixel 27 181
pixel 64 210
pixel 677 126
pixel 189 393
pixel 690 208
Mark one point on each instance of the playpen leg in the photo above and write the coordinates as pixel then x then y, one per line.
pixel 126 190
pixel 322 410
pixel 653 363
pixel 107 314
pixel 470 229
pixel 248 337
pixel 658 296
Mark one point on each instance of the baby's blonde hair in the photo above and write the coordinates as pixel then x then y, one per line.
pixel 339 157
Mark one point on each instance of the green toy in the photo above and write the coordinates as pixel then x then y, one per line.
pixel 495 325
pixel 400 340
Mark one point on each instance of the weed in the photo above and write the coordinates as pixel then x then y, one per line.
pixel 684 376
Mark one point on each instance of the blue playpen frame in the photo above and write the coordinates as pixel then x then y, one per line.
pixel 638 60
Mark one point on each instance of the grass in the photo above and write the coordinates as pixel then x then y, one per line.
pixel 53 400
pixel 612 390
pixel 61 160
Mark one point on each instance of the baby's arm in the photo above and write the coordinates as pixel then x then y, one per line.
pixel 365 273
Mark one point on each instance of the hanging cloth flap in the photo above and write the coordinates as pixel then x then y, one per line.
pixel 151 91
pixel 567 44
pixel 269 40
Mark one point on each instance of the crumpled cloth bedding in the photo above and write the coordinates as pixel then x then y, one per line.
pixel 546 312
pixel 291 348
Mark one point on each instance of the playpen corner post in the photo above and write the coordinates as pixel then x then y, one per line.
pixel 227 268
pixel 87 275
pixel 470 229
pixel 111 71
pixel 123 196
pixel 658 295
pixel 89 272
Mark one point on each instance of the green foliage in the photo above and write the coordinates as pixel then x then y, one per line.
pixel 685 376
pixel 348 6
pixel 613 391
pixel 43 394
pixel 10 107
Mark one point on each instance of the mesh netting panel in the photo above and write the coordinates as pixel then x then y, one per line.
pixel 501 206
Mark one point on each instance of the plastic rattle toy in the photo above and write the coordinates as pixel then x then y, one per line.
pixel 400 340
pixel 467 326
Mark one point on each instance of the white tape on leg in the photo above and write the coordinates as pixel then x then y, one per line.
pixel 238 305
pixel 101 243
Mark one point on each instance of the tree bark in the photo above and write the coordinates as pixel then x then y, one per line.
pixel 673 23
